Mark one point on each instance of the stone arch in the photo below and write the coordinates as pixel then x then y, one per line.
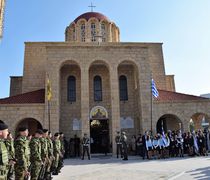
pixel 129 94
pixel 100 62
pixel 169 122
pixel 100 68
pixel 31 123
pixel 69 108
pixel 197 120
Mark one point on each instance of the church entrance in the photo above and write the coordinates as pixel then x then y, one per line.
pixel 99 134
pixel 99 130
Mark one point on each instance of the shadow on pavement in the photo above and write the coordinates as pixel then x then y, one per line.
pixel 200 173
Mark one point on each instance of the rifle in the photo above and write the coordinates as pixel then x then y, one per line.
pixel 28 176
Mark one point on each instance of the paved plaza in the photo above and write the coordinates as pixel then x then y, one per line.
pixel 109 168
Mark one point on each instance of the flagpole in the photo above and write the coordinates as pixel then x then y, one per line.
pixel 48 102
pixel 151 107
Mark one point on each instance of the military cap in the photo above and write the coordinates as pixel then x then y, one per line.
pixel 45 130
pixel 39 131
pixel 118 132
pixel 123 133
pixel 21 129
pixel 3 126
pixel 56 134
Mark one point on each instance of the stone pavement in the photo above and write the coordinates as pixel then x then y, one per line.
pixel 109 168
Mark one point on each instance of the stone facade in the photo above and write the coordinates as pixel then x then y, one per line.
pixel 138 62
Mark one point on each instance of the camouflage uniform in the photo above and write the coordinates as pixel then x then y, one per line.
pixel 50 156
pixel 57 153
pixel 3 160
pixel 62 150
pixel 44 152
pixel 22 155
pixel 11 155
pixel 36 159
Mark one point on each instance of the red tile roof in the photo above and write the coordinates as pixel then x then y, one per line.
pixel 89 15
pixel 26 98
pixel 174 96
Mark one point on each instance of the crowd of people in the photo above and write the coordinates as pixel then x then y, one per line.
pixel 170 144
pixel 36 157
pixel 40 156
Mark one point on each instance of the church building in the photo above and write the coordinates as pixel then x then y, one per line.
pixel 99 86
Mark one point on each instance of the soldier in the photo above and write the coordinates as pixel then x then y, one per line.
pixel 35 147
pixel 57 153
pixel 9 142
pixel 60 163
pixel 118 141
pixel 124 146
pixel 50 155
pixel 85 145
pixel 22 154
pixel 3 151
pixel 44 152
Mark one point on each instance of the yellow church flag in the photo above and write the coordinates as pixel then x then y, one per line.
pixel 49 90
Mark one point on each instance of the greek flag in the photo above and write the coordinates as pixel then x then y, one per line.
pixel 154 89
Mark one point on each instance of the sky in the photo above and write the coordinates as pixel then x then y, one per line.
pixel 182 26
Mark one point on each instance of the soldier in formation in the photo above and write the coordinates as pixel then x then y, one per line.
pixel 22 154
pixel 4 160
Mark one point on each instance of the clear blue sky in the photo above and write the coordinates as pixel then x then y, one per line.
pixel 182 25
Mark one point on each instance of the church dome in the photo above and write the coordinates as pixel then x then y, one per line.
pixel 92 27
pixel 89 15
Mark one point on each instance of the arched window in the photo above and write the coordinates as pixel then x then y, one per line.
pixel 71 95
pixel 123 88
pixel 93 32
pixel 103 32
pixel 97 88
pixel 83 32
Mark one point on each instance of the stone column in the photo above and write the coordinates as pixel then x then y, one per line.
pixel 115 105
pixel 109 33
pixel 85 128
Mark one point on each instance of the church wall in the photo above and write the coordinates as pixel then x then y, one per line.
pixel 113 54
pixel 157 65
pixel 12 114
pixel 170 84
pixel 127 108
pixel 69 110
pixel 103 72
pixel 15 85
pixel 184 110
pixel 34 67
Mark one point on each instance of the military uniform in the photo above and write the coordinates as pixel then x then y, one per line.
pixel 50 155
pixel 57 153
pixel 22 155
pixel 124 146
pixel 35 147
pixel 118 141
pixel 44 154
pixel 11 155
pixel 85 146
pixel 3 160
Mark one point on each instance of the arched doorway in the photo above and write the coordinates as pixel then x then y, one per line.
pixel 198 119
pixel 31 124
pixel 168 122
pixel 99 130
